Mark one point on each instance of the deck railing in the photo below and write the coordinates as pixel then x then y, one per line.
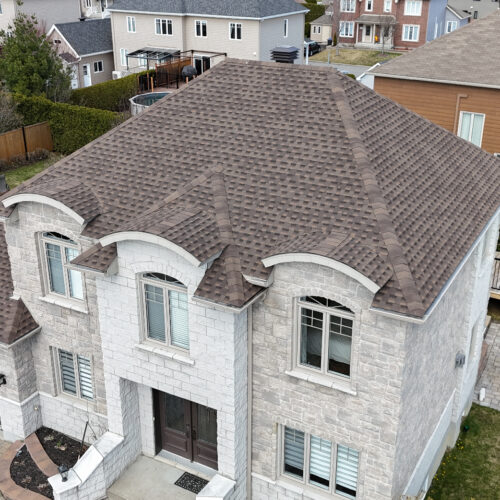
pixel 495 281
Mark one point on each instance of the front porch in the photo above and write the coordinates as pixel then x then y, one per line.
pixel 374 31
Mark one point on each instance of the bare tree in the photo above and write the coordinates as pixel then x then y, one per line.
pixel 335 5
pixel 387 28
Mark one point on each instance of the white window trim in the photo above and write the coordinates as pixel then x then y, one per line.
pixel 50 296
pixel 201 35
pixel 235 31
pixel 88 4
pixel 470 131
pixel 167 345
pixel 407 8
pixel 343 23
pixel 352 4
pixel 366 5
pixel 102 66
pixel 390 5
pixel 123 57
pixel 169 22
pixel 417 26
pixel 454 24
pixel 131 21
pixel 285 29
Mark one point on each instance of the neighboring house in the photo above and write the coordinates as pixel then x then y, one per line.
pixel 455 18
pixel 476 8
pixel 87 48
pixel 244 29
pixel 299 322
pixel 453 82
pixel 95 8
pixel 321 29
pixel 48 12
pixel 405 24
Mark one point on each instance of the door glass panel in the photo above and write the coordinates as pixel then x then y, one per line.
pixel 311 337
pixel 174 411
pixel 207 424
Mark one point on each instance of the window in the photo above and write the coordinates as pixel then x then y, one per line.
pixel 314 29
pixel 325 335
pixel 348 6
pixel 163 26
pixel 1 12
pixel 369 5
pixel 347 28
pixel 59 251
pixel 75 375
pixel 410 32
pixel 309 459
pixel 98 67
pixel 88 4
pixel 131 24
pixel 387 5
pixel 475 14
pixel 285 28
pixel 166 310
pixel 235 31
pixel 451 26
pixel 471 127
pixel 200 28
pixel 319 29
pixel 413 7
pixel 123 57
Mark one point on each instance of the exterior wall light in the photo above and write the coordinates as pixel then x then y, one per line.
pixel 63 470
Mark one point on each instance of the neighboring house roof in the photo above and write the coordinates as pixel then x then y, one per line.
pixel 467 56
pixel 69 58
pixel 255 9
pixel 382 191
pixel 324 20
pixel 376 19
pixel 88 37
pixel 15 319
pixel 461 14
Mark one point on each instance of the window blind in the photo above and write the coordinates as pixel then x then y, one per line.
pixel 56 272
pixel 68 379
pixel 74 277
pixel 294 452
pixel 155 312
pixel 179 320
pixel 320 462
pixel 347 471
pixel 85 377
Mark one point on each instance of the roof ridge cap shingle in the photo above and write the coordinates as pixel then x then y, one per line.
pixel 385 224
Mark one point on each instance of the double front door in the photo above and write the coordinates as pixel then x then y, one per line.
pixel 187 429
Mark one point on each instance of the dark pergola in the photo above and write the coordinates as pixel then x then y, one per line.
pixel 153 54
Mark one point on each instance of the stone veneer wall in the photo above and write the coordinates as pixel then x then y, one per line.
pixel 213 373
pixel 366 421
pixel 62 326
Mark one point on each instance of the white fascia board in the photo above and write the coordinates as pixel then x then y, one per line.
pixel 266 283
pixel 98 53
pixel 225 308
pixel 54 27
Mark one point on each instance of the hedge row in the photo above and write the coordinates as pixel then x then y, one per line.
pixel 72 126
pixel 112 95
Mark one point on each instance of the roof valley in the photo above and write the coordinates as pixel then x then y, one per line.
pixel 385 224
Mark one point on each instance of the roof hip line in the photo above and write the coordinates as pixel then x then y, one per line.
pixel 384 221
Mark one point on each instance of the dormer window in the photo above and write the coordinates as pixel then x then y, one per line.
pixel 59 250
pixel 325 336
pixel 165 311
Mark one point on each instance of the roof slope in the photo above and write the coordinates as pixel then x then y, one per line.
pixel 88 37
pixel 230 8
pixel 469 55
pixel 324 20
pixel 400 203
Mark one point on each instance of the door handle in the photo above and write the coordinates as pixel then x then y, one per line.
pixel 194 434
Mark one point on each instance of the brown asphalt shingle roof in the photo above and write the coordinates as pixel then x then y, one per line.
pixel 467 56
pixel 226 167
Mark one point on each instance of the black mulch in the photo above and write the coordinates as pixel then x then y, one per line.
pixel 60 448
pixel 26 474
pixel 191 483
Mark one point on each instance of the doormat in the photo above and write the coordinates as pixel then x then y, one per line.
pixel 191 483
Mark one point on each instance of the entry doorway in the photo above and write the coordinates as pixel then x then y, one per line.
pixel 367 33
pixel 186 428
pixel 87 79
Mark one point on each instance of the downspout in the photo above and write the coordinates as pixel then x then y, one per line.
pixel 249 398
pixel 457 110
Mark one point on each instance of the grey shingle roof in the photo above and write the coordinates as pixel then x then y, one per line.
pixel 469 55
pixel 400 203
pixel 230 8
pixel 324 20
pixel 88 37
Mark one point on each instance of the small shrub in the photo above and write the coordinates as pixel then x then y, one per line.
pixel 351 75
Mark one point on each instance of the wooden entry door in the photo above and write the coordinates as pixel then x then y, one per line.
pixel 187 429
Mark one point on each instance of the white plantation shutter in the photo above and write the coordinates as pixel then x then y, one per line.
pixel 179 319
pixel 320 462
pixel 294 451
pixel 85 377
pixel 347 471
pixel 155 312
pixel 68 379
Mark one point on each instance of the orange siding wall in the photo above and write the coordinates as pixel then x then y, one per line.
pixel 438 102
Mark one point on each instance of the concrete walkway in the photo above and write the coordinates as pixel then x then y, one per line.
pixel 355 69
pixel 490 378
pixel 149 479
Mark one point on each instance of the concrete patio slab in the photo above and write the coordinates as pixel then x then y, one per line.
pixel 149 479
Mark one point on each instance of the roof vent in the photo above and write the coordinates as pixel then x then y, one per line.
pixel 285 54
pixel 4 187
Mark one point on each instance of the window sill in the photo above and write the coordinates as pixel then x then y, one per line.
pixel 165 353
pixel 49 299
pixel 307 491
pixel 320 379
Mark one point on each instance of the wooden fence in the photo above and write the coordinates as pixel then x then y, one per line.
pixel 25 140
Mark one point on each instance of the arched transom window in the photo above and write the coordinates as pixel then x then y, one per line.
pixel 325 335
pixel 166 310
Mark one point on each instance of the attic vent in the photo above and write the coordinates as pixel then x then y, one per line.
pixel 285 54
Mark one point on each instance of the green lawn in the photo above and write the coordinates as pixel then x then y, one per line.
pixel 354 56
pixel 471 471
pixel 15 176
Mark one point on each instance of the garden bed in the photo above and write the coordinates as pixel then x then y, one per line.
pixel 60 448
pixel 26 474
